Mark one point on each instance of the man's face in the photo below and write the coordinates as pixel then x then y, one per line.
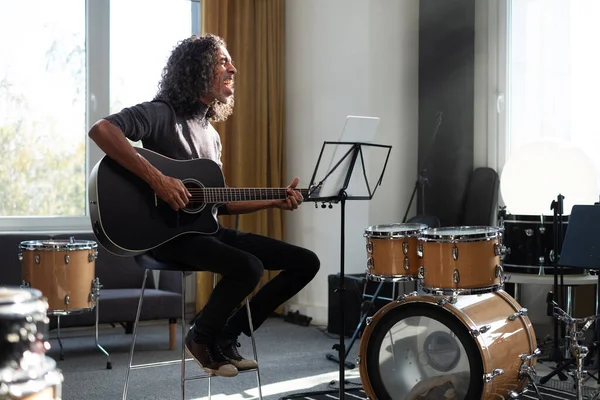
pixel 222 88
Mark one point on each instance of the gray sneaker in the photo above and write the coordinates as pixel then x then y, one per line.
pixel 210 358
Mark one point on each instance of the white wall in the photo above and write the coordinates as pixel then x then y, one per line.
pixel 349 57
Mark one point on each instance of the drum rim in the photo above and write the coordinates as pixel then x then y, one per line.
pixel 45 245
pixel 392 309
pixel 532 219
pixel 35 303
pixel 437 235
pixel 417 228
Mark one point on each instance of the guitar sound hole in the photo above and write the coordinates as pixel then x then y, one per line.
pixel 196 203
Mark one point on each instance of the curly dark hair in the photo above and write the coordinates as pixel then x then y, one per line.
pixel 188 75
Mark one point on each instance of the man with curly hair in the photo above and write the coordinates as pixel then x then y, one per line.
pixel 197 88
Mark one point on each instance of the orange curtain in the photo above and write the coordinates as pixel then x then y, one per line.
pixel 253 136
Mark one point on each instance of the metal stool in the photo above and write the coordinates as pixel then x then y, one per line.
pixel 149 263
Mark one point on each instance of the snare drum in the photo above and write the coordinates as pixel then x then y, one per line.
pixel 392 251
pixel 34 378
pixel 23 324
pixel 461 260
pixel 64 271
pixel 479 347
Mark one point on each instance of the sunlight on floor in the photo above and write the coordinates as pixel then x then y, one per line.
pixel 286 386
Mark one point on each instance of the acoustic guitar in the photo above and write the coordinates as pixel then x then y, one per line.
pixel 128 218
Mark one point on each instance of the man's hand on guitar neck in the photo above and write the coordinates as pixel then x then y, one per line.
pixel 170 190
pixel 294 197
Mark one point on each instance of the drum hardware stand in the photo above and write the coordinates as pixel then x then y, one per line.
pixel 557 206
pixel 347 163
pixel 422 179
pixel 94 296
pixel 578 351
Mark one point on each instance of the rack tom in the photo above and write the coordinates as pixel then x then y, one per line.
pixel 461 260
pixel 392 251
pixel 64 271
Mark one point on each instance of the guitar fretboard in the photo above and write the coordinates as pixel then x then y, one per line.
pixel 227 195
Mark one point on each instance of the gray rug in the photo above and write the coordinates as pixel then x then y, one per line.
pixel 288 355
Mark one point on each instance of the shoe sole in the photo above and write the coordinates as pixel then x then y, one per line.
pixel 209 371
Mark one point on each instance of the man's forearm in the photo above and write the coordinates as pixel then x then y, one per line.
pixel 245 207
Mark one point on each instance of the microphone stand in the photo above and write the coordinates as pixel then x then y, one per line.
pixel 422 178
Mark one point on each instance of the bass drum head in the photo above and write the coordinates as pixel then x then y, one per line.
pixel 419 349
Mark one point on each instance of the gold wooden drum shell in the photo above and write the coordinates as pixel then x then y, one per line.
pixel 509 335
pixel 461 263
pixel 392 251
pixel 59 272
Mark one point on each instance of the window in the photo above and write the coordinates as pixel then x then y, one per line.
pixel 64 65
pixel 552 78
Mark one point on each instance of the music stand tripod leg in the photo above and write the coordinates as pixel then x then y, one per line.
pixel 363 317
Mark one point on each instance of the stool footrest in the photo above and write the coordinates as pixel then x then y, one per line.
pixel 159 364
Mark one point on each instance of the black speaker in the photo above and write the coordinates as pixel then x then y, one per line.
pixel 354 285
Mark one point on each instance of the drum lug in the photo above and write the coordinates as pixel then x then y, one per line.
pixel 499 271
pixel 500 250
pixel 456 276
pixel 448 299
pixel 370 247
pixel 491 375
pixel 370 263
pixel 528 357
pixel 455 252
pixel 67 258
pixel 93 255
pixel 483 329
pixel 421 273
pixel 20 254
pixel 37 258
pixel 67 300
pixel 95 294
pixel 405 248
pixel 406 264
pixel 521 313
pixel 403 297
pixel 420 250
pixel 529 232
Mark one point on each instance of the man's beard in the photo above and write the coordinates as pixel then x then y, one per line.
pixel 220 111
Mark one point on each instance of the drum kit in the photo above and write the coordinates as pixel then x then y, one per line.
pixel 463 337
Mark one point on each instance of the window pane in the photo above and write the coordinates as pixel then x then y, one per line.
pixel 42 108
pixel 553 69
pixel 139 47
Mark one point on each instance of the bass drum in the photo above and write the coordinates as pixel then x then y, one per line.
pixel 424 347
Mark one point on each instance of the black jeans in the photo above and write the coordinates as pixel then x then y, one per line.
pixel 241 259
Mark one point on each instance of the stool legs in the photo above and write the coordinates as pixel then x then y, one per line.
pixel 135 329
pixel 183 350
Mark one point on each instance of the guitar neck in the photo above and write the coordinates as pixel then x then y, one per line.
pixel 229 195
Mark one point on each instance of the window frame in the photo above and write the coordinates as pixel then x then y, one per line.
pixel 97 42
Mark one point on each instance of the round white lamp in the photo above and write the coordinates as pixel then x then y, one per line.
pixel 538 172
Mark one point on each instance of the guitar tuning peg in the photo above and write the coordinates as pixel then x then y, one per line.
pixel 323 205
pixel 330 205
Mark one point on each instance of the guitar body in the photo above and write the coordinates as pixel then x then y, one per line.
pixel 127 217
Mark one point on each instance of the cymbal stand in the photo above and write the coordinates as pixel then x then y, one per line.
pixel 578 351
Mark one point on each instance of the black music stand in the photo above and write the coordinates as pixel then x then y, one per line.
pixel 581 248
pixel 339 176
